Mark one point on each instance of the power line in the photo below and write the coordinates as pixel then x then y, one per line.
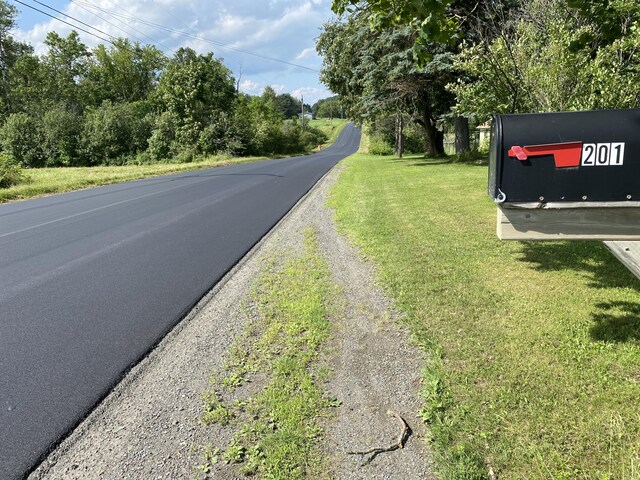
pixel 63 21
pixel 162 27
pixel 207 40
pixel 239 60
pixel 72 18
pixel 120 28
pixel 75 27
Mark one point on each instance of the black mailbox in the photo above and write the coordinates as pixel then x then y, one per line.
pixel 566 157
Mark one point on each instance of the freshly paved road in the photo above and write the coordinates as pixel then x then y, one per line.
pixel 91 280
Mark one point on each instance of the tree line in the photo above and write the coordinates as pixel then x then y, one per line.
pixel 448 65
pixel 126 102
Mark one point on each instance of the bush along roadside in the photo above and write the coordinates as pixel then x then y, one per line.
pixel 10 172
pixel 276 427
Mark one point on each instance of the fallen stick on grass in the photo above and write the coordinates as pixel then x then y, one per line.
pixel 399 443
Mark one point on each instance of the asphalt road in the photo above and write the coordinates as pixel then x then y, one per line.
pixel 91 280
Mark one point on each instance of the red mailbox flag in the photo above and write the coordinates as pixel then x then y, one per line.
pixel 565 154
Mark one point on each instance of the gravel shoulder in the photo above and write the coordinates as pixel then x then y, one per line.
pixel 149 426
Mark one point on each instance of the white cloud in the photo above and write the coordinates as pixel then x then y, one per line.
pixel 311 94
pixel 306 53
pixel 281 29
pixel 250 87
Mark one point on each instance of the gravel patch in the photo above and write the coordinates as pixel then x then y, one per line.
pixel 375 367
pixel 149 427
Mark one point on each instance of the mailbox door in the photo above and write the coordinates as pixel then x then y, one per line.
pixel 566 157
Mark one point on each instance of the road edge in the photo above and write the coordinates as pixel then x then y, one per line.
pixel 128 378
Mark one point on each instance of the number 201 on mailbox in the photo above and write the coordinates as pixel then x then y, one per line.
pixel 602 154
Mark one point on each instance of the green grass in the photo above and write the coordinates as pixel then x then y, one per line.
pixel 277 429
pixel 535 347
pixel 47 181
pixel 332 127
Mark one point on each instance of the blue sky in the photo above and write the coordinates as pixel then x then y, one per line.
pixel 282 29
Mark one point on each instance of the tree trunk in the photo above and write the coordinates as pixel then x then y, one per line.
pixel 462 134
pixel 399 136
pixel 435 138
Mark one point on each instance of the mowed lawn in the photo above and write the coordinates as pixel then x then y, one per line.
pixel 330 126
pixel 534 348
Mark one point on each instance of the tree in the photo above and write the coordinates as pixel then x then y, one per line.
pixel 66 65
pixel 124 72
pixel 328 108
pixel 61 131
pixel 429 20
pixel 10 52
pixel 21 137
pixel 381 78
pixel 193 88
pixel 437 28
pixel 289 106
pixel 115 131
pixel 533 63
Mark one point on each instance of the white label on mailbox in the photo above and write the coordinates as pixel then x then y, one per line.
pixel 588 154
pixel 617 154
pixel 602 154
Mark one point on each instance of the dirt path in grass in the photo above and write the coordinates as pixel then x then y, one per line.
pixel 149 426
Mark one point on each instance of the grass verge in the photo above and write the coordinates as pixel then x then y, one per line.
pixel 277 428
pixel 535 347
pixel 47 181
pixel 331 127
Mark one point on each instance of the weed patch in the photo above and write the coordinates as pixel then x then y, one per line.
pixel 277 428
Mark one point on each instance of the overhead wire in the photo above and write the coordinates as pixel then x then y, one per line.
pixel 72 18
pixel 63 21
pixel 122 29
pixel 109 40
pixel 156 25
pixel 204 39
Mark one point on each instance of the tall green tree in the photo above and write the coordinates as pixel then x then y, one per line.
pixel 381 77
pixel 289 106
pixel 538 61
pixel 66 64
pixel 123 72
pixel 10 51
pixel 193 88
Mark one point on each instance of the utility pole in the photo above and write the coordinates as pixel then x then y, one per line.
pixel 302 117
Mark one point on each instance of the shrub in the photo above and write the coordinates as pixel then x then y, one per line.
pixel 188 133
pixel 470 156
pixel 186 155
pixel 10 172
pixel 162 141
pixel 290 138
pixel 113 132
pixel 61 130
pixel 219 136
pixel 142 158
pixel 378 146
pixel 267 138
pixel 312 137
pixel 21 139
pixel 141 122
pixel 414 140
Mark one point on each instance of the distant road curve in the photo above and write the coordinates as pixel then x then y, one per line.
pixel 91 280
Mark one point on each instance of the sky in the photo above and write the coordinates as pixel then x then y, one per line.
pixel 238 31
